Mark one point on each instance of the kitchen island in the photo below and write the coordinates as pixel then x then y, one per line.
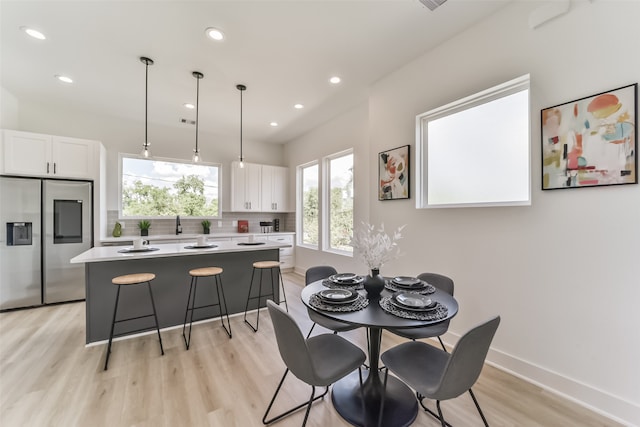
pixel 171 264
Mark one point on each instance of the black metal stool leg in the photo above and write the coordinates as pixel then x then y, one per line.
pixel 246 307
pixel 113 324
pixel 186 315
pixel 220 291
pixel 155 316
pixel 284 294
pixel 259 296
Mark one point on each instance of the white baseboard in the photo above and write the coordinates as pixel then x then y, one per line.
pixel 606 404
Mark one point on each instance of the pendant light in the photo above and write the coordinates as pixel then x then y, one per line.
pixel 196 153
pixel 145 146
pixel 241 88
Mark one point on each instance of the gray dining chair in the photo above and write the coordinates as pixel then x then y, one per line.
pixel 443 283
pixel 313 274
pixel 318 361
pixel 438 375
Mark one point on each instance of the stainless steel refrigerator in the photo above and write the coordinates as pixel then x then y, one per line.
pixel 43 224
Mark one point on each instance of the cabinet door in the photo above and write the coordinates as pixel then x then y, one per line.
pixel 280 189
pixel 274 188
pixel 252 191
pixel 27 153
pixel 72 157
pixel 245 187
pixel 267 188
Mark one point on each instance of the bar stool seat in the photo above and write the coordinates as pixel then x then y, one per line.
pixel 216 273
pixel 132 280
pixel 274 269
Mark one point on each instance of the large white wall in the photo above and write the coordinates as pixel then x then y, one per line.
pixel 564 272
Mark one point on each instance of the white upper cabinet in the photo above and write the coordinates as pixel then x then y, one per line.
pixel 34 154
pixel 245 187
pixel 274 189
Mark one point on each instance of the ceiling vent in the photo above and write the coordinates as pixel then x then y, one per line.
pixel 432 4
pixel 188 122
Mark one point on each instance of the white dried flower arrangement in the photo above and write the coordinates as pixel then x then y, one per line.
pixel 375 246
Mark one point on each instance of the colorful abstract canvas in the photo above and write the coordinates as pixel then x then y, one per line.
pixel 393 174
pixel 592 141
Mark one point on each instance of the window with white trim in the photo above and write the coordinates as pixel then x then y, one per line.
pixel 325 203
pixel 157 188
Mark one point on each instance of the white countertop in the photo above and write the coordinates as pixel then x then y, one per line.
pixel 128 239
pixel 110 253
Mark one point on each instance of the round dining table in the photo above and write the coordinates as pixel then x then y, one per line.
pixel 362 403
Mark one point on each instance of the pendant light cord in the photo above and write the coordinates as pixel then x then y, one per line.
pixel 241 88
pixel 146 102
pixel 197 108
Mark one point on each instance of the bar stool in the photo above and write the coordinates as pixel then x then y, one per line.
pixel 274 268
pixel 216 273
pixel 133 279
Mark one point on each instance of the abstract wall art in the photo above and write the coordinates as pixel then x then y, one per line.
pixel 393 174
pixel 592 141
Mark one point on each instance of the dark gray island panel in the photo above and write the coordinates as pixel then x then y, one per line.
pixel 170 289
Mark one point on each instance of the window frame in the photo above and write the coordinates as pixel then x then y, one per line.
pixel 326 199
pixel 300 205
pixel 503 90
pixel 122 156
pixel 324 204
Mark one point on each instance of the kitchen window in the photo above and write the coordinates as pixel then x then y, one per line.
pixel 325 203
pixel 156 188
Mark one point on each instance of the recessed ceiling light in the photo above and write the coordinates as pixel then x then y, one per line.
pixel 273 124
pixel 214 33
pixel 63 78
pixel 33 33
pixel 189 106
pixel 298 106
pixel 335 80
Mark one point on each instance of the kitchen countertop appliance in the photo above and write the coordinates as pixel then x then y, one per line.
pixel 43 224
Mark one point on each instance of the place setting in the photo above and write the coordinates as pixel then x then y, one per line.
pixel 409 284
pixel 344 300
pixel 349 281
pixel 139 245
pixel 411 305
pixel 201 243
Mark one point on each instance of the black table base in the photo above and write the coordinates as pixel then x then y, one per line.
pixel 400 404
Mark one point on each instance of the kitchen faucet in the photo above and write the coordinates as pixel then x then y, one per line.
pixel 178 226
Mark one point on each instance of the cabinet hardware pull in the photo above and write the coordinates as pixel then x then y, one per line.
pixel 47 167
pixel 54 168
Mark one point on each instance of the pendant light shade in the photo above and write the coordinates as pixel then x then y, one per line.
pixel 145 147
pixel 241 88
pixel 196 152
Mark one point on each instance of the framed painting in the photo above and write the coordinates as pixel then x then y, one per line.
pixel 393 174
pixel 592 141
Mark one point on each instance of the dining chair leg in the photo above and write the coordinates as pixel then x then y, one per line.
pixel 444 424
pixel 265 421
pixel 484 420
pixel 433 414
pixel 311 330
pixel 442 344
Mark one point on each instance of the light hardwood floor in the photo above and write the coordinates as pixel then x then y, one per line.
pixel 49 378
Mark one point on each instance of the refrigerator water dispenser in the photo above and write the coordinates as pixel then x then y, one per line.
pixel 18 233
